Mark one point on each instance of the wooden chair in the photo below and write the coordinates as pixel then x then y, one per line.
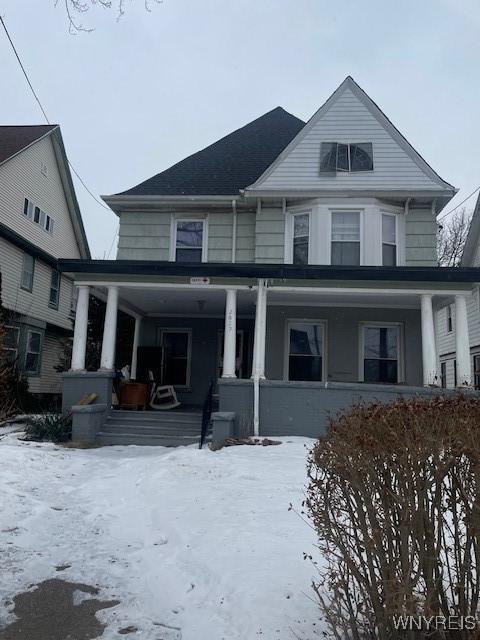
pixel 162 397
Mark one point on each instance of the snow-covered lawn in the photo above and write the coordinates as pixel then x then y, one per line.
pixel 197 545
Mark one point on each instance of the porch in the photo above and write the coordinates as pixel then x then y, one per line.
pixel 273 347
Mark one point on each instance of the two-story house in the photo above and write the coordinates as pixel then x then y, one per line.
pixel 292 263
pixel 445 317
pixel 39 221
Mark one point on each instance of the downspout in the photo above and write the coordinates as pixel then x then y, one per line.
pixel 234 230
pixel 407 206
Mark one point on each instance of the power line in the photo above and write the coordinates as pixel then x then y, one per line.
pixel 45 114
pixel 458 205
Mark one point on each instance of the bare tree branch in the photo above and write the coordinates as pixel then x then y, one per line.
pixel 451 238
pixel 74 9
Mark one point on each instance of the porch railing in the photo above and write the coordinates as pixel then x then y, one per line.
pixel 207 413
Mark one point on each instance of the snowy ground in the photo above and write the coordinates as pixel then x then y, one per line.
pixel 196 545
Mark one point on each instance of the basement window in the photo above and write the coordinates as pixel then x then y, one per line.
pixel 346 157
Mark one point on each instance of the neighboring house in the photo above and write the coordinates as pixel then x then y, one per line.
pixel 292 262
pixel 445 316
pixel 39 222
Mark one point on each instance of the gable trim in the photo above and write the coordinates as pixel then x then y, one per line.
pixel 30 144
pixel 382 119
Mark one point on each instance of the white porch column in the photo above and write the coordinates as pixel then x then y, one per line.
pixel 462 342
pixel 79 348
pixel 136 338
pixel 260 332
pixel 230 335
pixel 429 355
pixel 107 360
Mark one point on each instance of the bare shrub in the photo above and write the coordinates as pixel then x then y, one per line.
pixel 394 495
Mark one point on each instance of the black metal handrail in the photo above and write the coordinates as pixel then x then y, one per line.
pixel 207 413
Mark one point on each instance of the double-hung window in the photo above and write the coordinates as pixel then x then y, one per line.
pixel 345 245
pixel 189 240
pixel 177 351
pixel 28 269
pixel 301 236
pixel 305 343
pixel 10 343
pixel 54 290
pixel 449 319
pixel 389 240
pixel 33 350
pixel 443 375
pixel 381 353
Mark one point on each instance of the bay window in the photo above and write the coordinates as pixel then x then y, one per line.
pixel 345 243
pixel 301 235
pixel 389 240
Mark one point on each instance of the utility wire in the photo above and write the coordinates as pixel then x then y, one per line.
pixel 45 114
pixel 458 205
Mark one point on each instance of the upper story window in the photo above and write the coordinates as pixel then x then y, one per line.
pixel 346 157
pixel 345 244
pixel 36 215
pixel 389 240
pixel 449 319
pixel 301 235
pixel 54 290
pixel 28 269
pixel 189 241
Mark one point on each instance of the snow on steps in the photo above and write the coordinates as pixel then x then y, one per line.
pixel 167 429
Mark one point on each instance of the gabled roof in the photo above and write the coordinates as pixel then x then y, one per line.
pixel 473 238
pixel 228 165
pixel 350 84
pixel 14 139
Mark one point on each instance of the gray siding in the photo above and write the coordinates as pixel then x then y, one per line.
pixel 49 380
pixel 144 235
pixel 20 178
pixel 34 304
pixel 348 119
pixel 343 339
pixel 421 238
pixel 245 237
pixel 220 231
pixel 270 235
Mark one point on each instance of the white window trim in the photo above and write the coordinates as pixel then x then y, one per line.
pixel 361 212
pixel 28 290
pixel 350 142
pixel 401 346
pixel 173 234
pixel 188 330
pixel 17 330
pixel 54 305
pixel 30 215
pixel 449 318
pixel 289 227
pixel 286 344
pixel 39 353
pixel 395 244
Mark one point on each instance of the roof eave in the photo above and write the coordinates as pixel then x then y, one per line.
pixel 121 202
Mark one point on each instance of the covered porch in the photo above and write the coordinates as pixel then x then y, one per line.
pixel 251 329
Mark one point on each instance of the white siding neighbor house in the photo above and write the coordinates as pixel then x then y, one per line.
pixel 39 222
pixel 445 317
pixel 290 265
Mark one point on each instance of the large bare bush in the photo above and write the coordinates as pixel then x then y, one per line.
pixel 394 494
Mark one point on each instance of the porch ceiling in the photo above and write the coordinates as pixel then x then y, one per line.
pixel 201 302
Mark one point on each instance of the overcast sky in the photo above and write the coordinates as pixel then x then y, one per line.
pixel 135 96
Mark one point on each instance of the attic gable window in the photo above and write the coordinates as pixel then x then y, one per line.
pixel 346 157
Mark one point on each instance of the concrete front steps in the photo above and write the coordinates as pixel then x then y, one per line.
pixel 161 428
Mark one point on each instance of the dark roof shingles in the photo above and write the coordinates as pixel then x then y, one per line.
pixel 232 163
pixel 15 138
